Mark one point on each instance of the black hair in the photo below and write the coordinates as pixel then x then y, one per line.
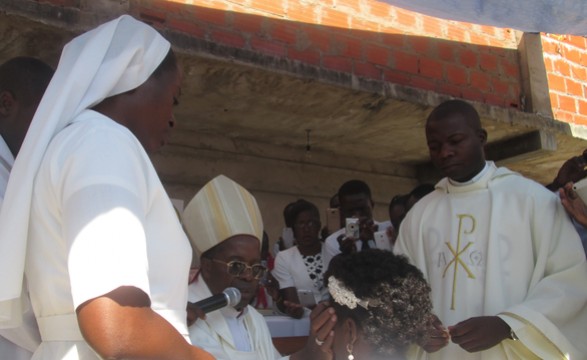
pixel 26 78
pixel 398 200
pixel 353 187
pixel 456 107
pixel 287 218
pixel 300 206
pixel 399 310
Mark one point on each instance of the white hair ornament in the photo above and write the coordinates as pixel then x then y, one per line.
pixel 344 296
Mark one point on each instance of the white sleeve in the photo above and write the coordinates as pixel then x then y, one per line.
pixel 104 201
pixel 331 248
pixel 281 271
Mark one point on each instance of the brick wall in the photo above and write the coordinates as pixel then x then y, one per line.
pixel 565 59
pixel 366 38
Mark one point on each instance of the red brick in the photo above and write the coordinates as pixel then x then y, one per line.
pixel 580 120
pixel 394 40
pixel 283 31
pixel 334 18
pixel 298 11
pixel 455 33
pixel 420 44
pixel 211 16
pixel 272 7
pixel 473 94
pixel 268 47
pixel 450 89
pixel 562 67
pixel 337 63
pixel 379 9
pixel 549 46
pixel 406 18
pixel 423 83
pixel 583 61
pixel 311 57
pixel 187 27
pixel 318 37
pixel 509 69
pixel 548 64
pixel 229 38
pixel 152 16
pixel 445 50
pixel 396 77
pixel 431 68
pixel 572 54
pixel 578 41
pixel 247 23
pixel 468 58
pixel 488 62
pixel 404 62
pixel 456 74
pixel 554 100
pixel 556 83
pixel 480 81
pixel 346 46
pixel 574 88
pixel 432 26
pixel 377 55
pixel 367 70
pixel 582 106
pixel 567 103
pixel 565 116
pixel 500 86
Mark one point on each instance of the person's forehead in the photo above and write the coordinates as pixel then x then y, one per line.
pixel 241 246
pixel 452 124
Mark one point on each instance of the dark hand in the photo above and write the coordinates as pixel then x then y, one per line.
pixel 367 228
pixel 194 313
pixel 437 336
pixel 346 244
pixel 572 170
pixel 479 333
pixel 573 204
pixel 293 309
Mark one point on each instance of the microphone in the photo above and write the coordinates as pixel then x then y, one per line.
pixel 229 297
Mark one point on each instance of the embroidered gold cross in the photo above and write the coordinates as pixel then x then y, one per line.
pixel 456 260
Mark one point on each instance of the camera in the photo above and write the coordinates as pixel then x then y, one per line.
pixel 352 228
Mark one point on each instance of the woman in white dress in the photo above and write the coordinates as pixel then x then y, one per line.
pixel 300 269
pixel 104 254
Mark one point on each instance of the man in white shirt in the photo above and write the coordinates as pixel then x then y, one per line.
pixel 23 81
pixel 224 224
pixel 503 260
pixel 355 202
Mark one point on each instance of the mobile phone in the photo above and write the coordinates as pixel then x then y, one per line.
pixel 333 219
pixel 381 240
pixel 352 228
pixel 306 298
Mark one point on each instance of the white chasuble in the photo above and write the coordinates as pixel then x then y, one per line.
pixel 501 245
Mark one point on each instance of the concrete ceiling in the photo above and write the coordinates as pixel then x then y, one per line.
pixel 229 106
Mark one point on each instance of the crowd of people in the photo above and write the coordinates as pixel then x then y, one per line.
pixel 485 264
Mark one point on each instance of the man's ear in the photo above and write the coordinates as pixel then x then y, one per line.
pixel 482 133
pixel 7 103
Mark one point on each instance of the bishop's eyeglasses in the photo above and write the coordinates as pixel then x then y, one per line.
pixel 238 268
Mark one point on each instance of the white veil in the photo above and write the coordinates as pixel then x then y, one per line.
pixel 113 58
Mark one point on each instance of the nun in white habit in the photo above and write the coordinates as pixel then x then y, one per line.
pixel 86 219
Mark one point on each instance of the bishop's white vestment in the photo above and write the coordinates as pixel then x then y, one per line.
pixel 501 245
pixel 214 335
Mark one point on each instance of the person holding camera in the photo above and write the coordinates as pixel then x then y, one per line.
pixel 572 171
pixel 356 212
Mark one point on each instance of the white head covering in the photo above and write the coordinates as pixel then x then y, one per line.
pixel 219 211
pixel 113 58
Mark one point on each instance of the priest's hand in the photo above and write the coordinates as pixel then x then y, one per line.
pixel 194 313
pixel 479 333
pixel 437 336
pixel 573 204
